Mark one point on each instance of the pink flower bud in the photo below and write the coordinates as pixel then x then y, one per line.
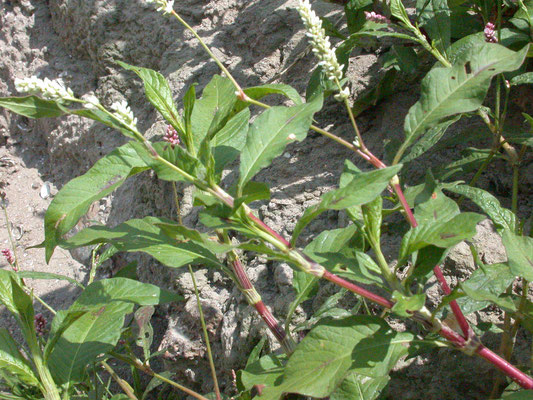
pixel 9 256
pixel 375 17
pixel 490 33
pixel 172 136
pixel 40 324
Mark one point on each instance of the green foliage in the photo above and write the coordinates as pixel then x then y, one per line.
pixel 344 354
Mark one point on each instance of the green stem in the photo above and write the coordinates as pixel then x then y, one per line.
pixel 514 201
pixel 208 51
pixel 121 382
pixel 207 344
pixel 10 234
pixel 147 370
pixel 177 202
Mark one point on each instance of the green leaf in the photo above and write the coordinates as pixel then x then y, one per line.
pixel 362 344
pixel 176 155
pixel 266 371
pixel 360 387
pixel 521 395
pixel 212 110
pixel 230 140
pixel 268 135
pixel 105 291
pixel 332 250
pixel 157 92
pixel 398 10
pixel 48 275
pixel 32 106
pixel 103 117
pixel 502 218
pixel 522 79
pixel 404 306
pixel 372 217
pixel 471 160
pixel 432 136
pixel 258 92
pixel 94 333
pixel 306 286
pixel 434 17
pixel 485 286
pixel 62 320
pixel 13 361
pixel 145 235
pixel 442 234
pixel 75 198
pixel 18 302
pixel 459 89
pixel 519 251
pixel 145 332
pixel 362 188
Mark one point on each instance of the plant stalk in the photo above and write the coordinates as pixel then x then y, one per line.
pixel 128 390
pixel 207 343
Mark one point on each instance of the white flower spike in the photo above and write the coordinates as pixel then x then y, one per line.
pixel 50 90
pixel 321 45
pixel 124 114
pixel 165 6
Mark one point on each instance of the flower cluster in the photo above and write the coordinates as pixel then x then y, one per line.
pixel 124 114
pixel 172 136
pixel 321 45
pixel 375 17
pixel 91 101
pixel 166 6
pixel 40 324
pixel 490 33
pixel 50 90
pixel 9 256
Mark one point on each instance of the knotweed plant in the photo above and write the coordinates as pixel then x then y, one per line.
pixel 346 352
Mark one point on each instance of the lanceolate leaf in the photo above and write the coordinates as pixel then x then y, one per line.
pixel 258 92
pixel 269 135
pixel 157 92
pixel 31 106
pixel 334 348
pixel 503 218
pixel 94 333
pixel 146 236
pixel 266 371
pixel 362 188
pixel 12 361
pixel 360 387
pixel 126 290
pixel 75 198
pixel 459 89
pixel 485 286
pixel 434 16
pixel 519 251
pixel 176 155
pixel 442 234
pixel 211 112
pixel 48 275
pixel 230 140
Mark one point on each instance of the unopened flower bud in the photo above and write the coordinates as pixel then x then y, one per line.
pixel 375 17
pixel 9 256
pixel 172 136
pixel 342 95
pixel 291 137
pixel 40 324
pixel 490 33
pixel 91 101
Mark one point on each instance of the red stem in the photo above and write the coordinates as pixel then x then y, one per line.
pixel 506 367
pixel 357 289
pixel 461 320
